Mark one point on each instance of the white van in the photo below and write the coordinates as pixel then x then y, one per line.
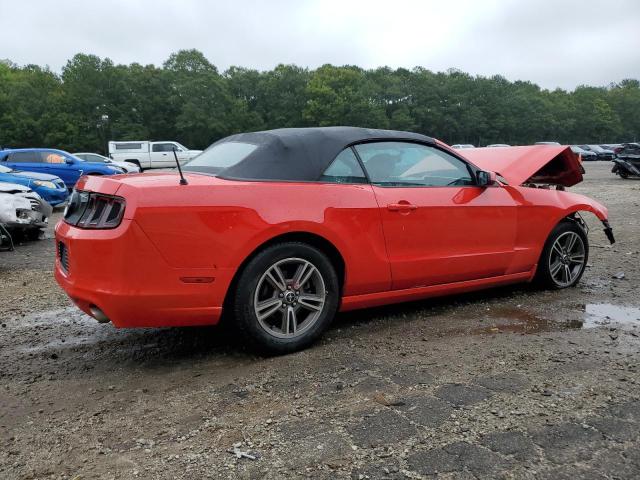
pixel 147 154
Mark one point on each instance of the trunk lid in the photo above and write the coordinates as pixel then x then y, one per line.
pixel 545 164
pixel 110 185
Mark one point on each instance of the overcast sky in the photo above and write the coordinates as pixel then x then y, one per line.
pixel 555 43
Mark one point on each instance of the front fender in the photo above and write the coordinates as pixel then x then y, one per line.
pixel 574 202
pixel 581 203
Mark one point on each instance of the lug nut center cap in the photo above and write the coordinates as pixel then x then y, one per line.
pixel 289 297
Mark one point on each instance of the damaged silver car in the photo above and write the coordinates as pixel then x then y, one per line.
pixel 23 211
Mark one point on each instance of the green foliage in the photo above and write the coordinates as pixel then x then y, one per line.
pixel 189 100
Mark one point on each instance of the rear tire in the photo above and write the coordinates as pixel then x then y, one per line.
pixel 285 298
pixel 564 256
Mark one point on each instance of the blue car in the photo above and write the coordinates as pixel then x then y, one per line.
pixel 54 162
pixel 51 188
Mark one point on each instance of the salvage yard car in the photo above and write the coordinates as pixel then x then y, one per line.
pixel 586 155
pixel 22 210
pixel 281 229
pixel 627 161
pixel 51 188
pixel 54 162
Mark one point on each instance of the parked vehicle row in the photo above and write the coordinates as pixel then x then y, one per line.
pixel 55 162
pixel 34 180
pixel 585 154
pixel 601 153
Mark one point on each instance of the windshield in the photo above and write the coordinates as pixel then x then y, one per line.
pixel 220 156
pixel 181 146
pixel 90 157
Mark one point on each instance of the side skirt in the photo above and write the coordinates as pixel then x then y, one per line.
pixel 396 296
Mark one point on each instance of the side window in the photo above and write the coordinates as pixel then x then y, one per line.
pixel 163 147
pixel 51 157
pixel 344 169
pixel 412 164
pixel 25 157
pixel 128 146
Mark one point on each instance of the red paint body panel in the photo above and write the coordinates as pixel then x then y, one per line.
pixel 431 241
pixel 532 163
pixel 432 244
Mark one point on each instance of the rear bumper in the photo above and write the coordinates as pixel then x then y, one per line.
pixel 121 273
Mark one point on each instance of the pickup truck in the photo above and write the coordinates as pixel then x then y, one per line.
pixel 148 154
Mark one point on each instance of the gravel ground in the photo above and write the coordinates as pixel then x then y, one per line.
pixel 506 383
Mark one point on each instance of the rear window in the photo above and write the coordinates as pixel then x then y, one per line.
pixel 220 156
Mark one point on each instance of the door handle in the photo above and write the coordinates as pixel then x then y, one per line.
pixel 401 207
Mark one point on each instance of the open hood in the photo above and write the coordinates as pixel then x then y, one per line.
pixel 547 164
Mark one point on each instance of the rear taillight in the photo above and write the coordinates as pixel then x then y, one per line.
pixel 94 210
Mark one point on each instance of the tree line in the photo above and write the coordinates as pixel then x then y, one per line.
pixel 189 100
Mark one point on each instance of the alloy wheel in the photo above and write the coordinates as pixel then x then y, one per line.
pixel 567 257
pixel 289 298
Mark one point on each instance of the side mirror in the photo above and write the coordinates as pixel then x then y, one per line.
pixel 69 161
pixel 486 179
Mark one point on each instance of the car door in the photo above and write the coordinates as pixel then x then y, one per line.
pixel 439 226
pixel 27 161
pixel 56 164
pixel 162 155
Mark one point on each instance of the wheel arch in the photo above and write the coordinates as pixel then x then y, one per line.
pixel 318 241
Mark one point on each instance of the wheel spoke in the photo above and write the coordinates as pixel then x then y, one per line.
pixel 577 258
pixel 266 308
pixel 289 321
pixel 571 241
pixel 311 302
pixel 557 249
pixel 276 278
pixel 555 268
pixel 303 274
pixel 567 274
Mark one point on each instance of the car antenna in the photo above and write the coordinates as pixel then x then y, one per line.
pixel 183 181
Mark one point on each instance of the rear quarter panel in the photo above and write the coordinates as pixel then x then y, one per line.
pixel 219 225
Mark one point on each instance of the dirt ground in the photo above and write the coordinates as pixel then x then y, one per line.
pixel 506 383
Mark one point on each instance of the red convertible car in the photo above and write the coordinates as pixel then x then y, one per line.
pixel 281 229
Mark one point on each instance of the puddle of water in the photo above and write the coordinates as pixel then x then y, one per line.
pixel 603 314
pixel 514 320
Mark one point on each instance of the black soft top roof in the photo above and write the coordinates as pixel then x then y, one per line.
pixel 302 154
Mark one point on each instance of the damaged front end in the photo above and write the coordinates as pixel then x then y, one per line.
pixel 22 210
pixel 542 167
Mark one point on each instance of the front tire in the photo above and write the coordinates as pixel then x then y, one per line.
pixel 286 297
pixel 564 257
